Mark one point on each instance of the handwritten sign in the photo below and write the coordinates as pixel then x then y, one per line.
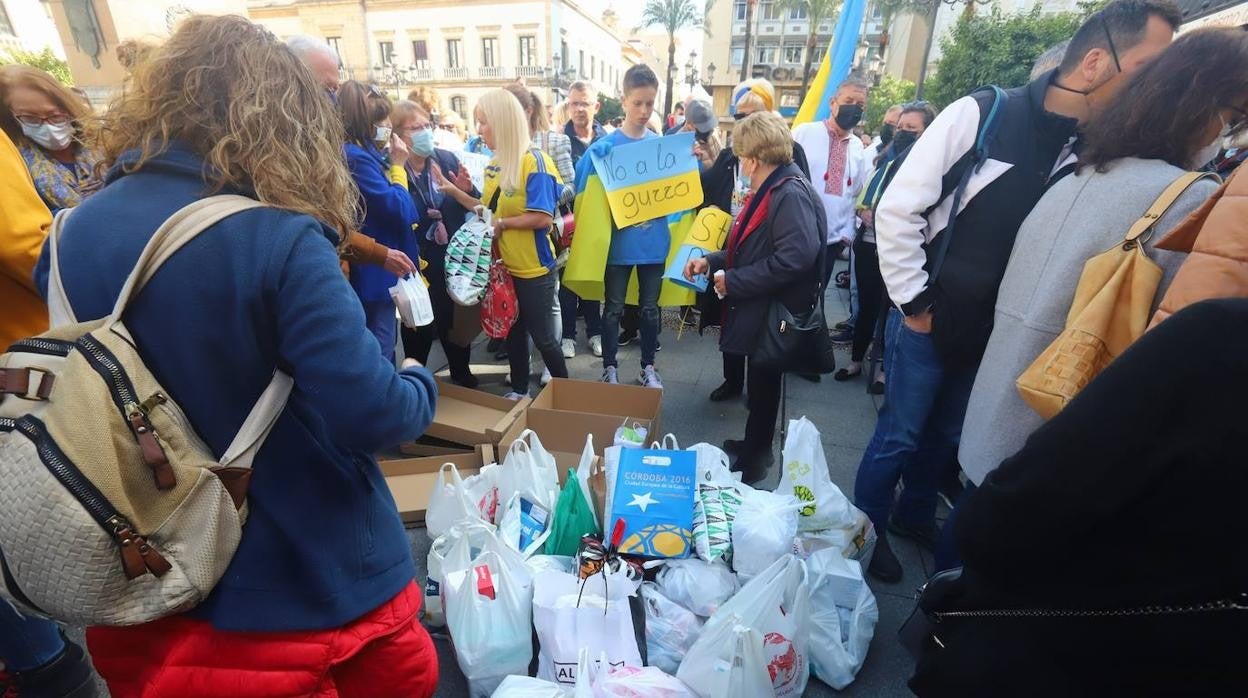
pixel 710 229
pixel 475 163
pixel 650 179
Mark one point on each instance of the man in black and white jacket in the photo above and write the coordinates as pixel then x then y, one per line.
pixel 937 332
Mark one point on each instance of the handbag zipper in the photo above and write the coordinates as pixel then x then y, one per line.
pixel 38 345
pixel 135 412
pixel 138 557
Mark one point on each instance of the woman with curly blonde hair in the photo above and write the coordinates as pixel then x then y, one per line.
pixel 319 598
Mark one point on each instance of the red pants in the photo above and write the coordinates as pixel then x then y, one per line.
pixel 384 653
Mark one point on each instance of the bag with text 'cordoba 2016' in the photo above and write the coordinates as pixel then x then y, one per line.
pixel 115 512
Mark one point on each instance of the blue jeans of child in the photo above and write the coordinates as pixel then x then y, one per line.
pixel 649 283
pixel 27 642
pixel 917 432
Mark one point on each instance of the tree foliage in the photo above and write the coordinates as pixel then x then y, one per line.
pixel 890 91
pixel 995 49
pixel 672 16
pixel 608 108
pixel 44 60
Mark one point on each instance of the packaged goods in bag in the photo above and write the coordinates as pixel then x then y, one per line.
pixel 671 629
pixel 843 617
pixel 763 531
pixel 774 606
pixel 700 586
pixel 556 563
pixel 805 476
pixel 488 612
pixel 574 511
pixel 528 687
pixel 411 297
pixel 460 499
pixel 639 682
pixel 856 542
pixel 654 496
pixel 594 614
pixel 714 510
pixel 529 469
pixel 468 257
pixel 524 524
pixel 631 435
pixel 479 536
pixel 735 669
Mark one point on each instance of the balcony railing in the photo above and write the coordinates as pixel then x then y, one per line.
pixel 490 72
pixel 530 71
pixel 455 73
pixel 421 74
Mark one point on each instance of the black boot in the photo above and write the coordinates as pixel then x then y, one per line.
pixel 925 536
pixel 884 564
pixel 753 464
pixel 69 675
pixel 725 391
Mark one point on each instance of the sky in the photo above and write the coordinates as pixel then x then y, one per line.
pixel 629 12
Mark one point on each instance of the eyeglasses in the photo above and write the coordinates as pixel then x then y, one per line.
pixel 580 105
pixel 32 120
pixel 447 127
pixel 917 104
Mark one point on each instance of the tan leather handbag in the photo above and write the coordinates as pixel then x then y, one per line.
pixel 1111 309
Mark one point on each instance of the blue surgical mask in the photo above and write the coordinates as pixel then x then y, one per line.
pixel 422 142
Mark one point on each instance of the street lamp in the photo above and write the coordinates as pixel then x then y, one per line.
pixel 394 76
pixel 691 70
pixel 557 77
pixel 710 74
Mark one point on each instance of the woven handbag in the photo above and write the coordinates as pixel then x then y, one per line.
pixel 1112 305
pixel 115 512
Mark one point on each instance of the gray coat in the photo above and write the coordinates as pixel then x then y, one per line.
pixel 1080 217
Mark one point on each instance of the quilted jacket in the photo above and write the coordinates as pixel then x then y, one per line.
pixel 1216 238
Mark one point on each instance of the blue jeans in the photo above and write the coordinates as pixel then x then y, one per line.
pixel 570 304
pixel 918 429
pixel 27 643
pixel 380 319
pixel 649 283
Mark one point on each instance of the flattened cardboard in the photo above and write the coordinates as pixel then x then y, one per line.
pixel 567 410
pixel 412 480
pixel 429 446
pixel 471 417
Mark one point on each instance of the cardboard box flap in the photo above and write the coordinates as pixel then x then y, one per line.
pixel 412 480
pixel 472 417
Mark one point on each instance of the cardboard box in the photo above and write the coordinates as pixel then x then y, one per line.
pixel 566 410
pixel 429 446
pixel 565 459
pixel 471 417
pixel 412 480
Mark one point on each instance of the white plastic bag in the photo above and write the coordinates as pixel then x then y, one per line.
pixel 524 525
pixel 529 469
pixel 805 476
pixel 596 618
pixel 774 606
pixel 671 629
pixel 468 258
pixel 855 543
pixel 639 682
pixel 669 443
pixel 479 536
pixel 488 611
pixel 556 563
pixel 713 464
pixel 462 499
pixel 735 669
pixel 411 297
pixel 630 435
pixel 585 470
pixel 762 531
pixel 843 617
pixel 528 687
pixel 700 586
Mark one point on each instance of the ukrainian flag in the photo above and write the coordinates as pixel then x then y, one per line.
pixel 587 262
pixel 837 61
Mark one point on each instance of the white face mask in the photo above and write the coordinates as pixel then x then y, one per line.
pixel 50 136
pixel 382 134
pixel 1206 154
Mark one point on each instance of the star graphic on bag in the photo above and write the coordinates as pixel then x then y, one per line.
pixel 641 501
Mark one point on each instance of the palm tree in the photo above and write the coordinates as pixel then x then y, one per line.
pixel 817 12
pixel 749 26
pixel 673 16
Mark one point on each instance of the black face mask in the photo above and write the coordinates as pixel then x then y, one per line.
pixel 903 140
pixel 848 115
pixel 886 134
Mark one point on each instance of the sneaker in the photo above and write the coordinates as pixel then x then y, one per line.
pixel 658 346
pixel 569 348
pixel 884 564
pixel 843 337
pixel 627 337
pixel 611 375
pixel 545 376
pixel 650 378
pixel 595 345
pixel 514 396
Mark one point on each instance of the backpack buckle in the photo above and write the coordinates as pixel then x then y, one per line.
pixel 27 383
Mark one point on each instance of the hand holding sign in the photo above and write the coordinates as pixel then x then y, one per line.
pixel 650 179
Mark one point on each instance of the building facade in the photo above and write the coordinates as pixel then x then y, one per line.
pixel 26 25
pixel 462 49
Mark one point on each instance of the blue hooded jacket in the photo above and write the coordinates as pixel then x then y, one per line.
pixel 323 544
pixel 390 218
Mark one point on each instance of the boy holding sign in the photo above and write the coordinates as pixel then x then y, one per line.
pixel 642 246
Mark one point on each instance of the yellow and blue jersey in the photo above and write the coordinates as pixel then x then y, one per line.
pixel 527 254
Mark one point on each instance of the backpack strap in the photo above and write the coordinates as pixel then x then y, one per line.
pixel 60 313
pixel 1143 227
pixel 987 130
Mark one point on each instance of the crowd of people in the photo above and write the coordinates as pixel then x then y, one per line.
pixel 1080 511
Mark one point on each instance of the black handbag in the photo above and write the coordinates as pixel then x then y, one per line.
pixel 796 344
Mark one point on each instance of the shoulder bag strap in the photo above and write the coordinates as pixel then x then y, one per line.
pixel 60 313
pixel 1143 227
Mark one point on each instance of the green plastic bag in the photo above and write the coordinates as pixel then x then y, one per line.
pixel 574 517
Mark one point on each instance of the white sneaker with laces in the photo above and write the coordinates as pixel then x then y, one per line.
pixel 545 376
pixel 569 348
pixel 595 345
pixel 611 375
pixel 650 378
